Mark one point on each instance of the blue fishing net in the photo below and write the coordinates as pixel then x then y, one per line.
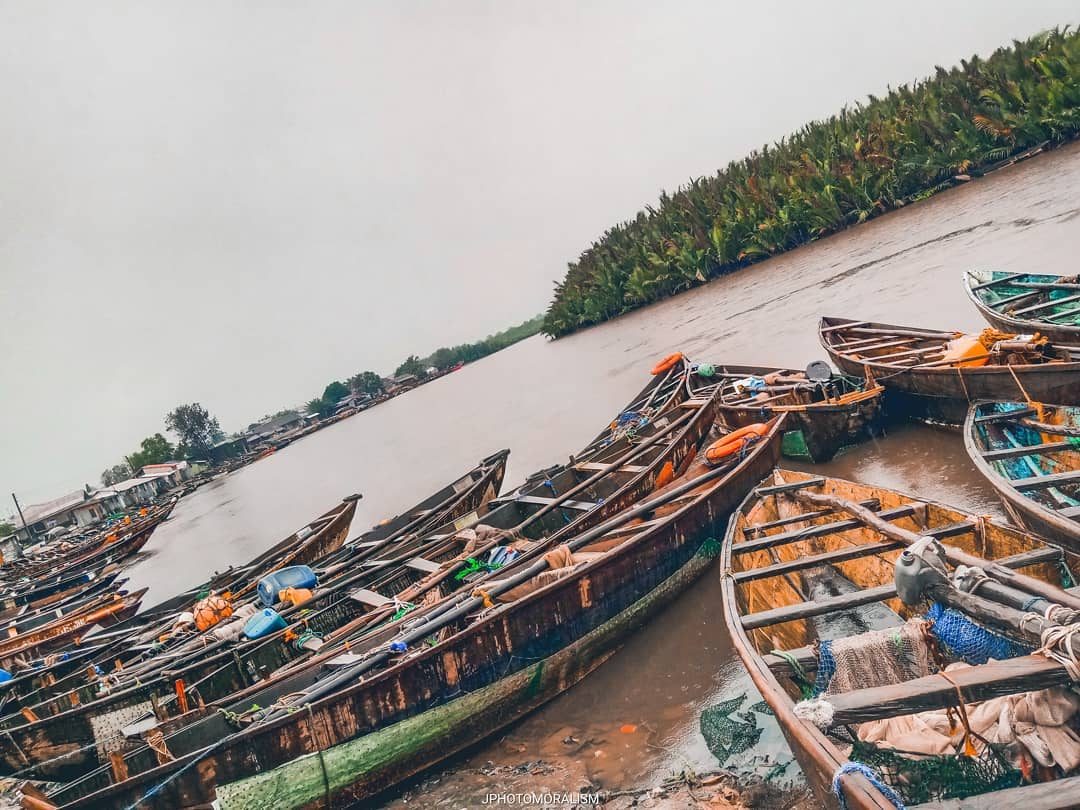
pixel 969 642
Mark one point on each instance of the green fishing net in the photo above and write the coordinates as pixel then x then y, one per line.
pixel 919 778
pixel 727 731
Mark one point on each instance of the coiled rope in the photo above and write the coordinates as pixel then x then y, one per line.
pixel 871 777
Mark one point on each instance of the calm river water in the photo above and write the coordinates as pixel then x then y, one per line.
pixel 543 399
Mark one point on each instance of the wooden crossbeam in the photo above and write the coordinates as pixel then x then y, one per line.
pixel 1048 285
pixel 1028 450
pixel 1045 481
pixel 819 607
pixel 420 564
pixel 583 506
pixel 595 466
pixel 1012 299
pixel 1047 304
pixel 1066 314
pixel 996 679
pixel 912 353
pixel 819 530
pixel 1051 795
pixel 791 486
pixel 369 597
pixel 869 503
pixel 840 326
pixel 998 281
pixel 1004 416
pixel 815 560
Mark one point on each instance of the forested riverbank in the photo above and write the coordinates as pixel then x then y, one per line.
pixel 869 159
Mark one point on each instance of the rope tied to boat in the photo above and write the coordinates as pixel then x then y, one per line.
pixel 1020 385
pixel 1057 645
pixel 871 776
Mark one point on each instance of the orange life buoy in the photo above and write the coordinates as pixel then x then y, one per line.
pixel 666 363
pixel 732 443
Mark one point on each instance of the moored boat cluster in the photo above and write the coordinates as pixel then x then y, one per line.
pixel 330 668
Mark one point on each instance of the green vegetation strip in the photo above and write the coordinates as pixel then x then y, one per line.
pixel 864 161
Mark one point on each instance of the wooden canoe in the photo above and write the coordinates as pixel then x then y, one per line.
pixel 910 362
pixel 1027 302
pixel 627 471
pixel 1030 454
pixel 103 547
pixel 791 533
pixel 823 417
pixel 491 667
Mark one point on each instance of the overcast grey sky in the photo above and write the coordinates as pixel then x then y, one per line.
pixel 236 203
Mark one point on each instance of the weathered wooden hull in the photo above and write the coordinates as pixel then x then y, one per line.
pixel 749 593
pixel 947 390
pixel 1058 333
pixel 217 676
pixel 826 429
pixel 581 615
pixel 817 430
pixel 71 734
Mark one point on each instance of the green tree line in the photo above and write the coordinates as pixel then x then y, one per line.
pixel 369 382
pixel 865 161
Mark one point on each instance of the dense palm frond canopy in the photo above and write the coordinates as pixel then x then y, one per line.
pixel 862 162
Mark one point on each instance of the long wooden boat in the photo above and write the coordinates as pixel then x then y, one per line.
pixel 825 585
pixel 377 585
pixel 825 415
pixel 104 547
pixel 1030 454
pixel 935 374
pixel 69 627
pixel 489 664
pixel 1027 302
pixel 89 697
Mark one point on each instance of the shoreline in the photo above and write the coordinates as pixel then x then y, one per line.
pixel 1045 150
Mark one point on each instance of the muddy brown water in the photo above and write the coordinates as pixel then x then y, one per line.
pixel 543 399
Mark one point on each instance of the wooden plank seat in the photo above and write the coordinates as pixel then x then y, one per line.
pixel 1046 481
pixel 594 466
pixel 819 607
pixel 815 560
pixel 1027 450
pixel 1004 416
pixel 998 281
pixel 869 503
pixel 990 680
pixel 761 492
pixel 420 564
pixel 819 530
pixel 369 597
pixel 1047 304
pixel 1052 795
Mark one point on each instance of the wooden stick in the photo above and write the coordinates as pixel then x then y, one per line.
pixel 954 555
pixel 904 332
pixel 1003 280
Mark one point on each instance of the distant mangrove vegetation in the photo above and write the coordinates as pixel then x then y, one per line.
pixel 866 160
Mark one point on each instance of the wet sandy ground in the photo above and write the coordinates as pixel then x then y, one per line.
pixel 543 399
